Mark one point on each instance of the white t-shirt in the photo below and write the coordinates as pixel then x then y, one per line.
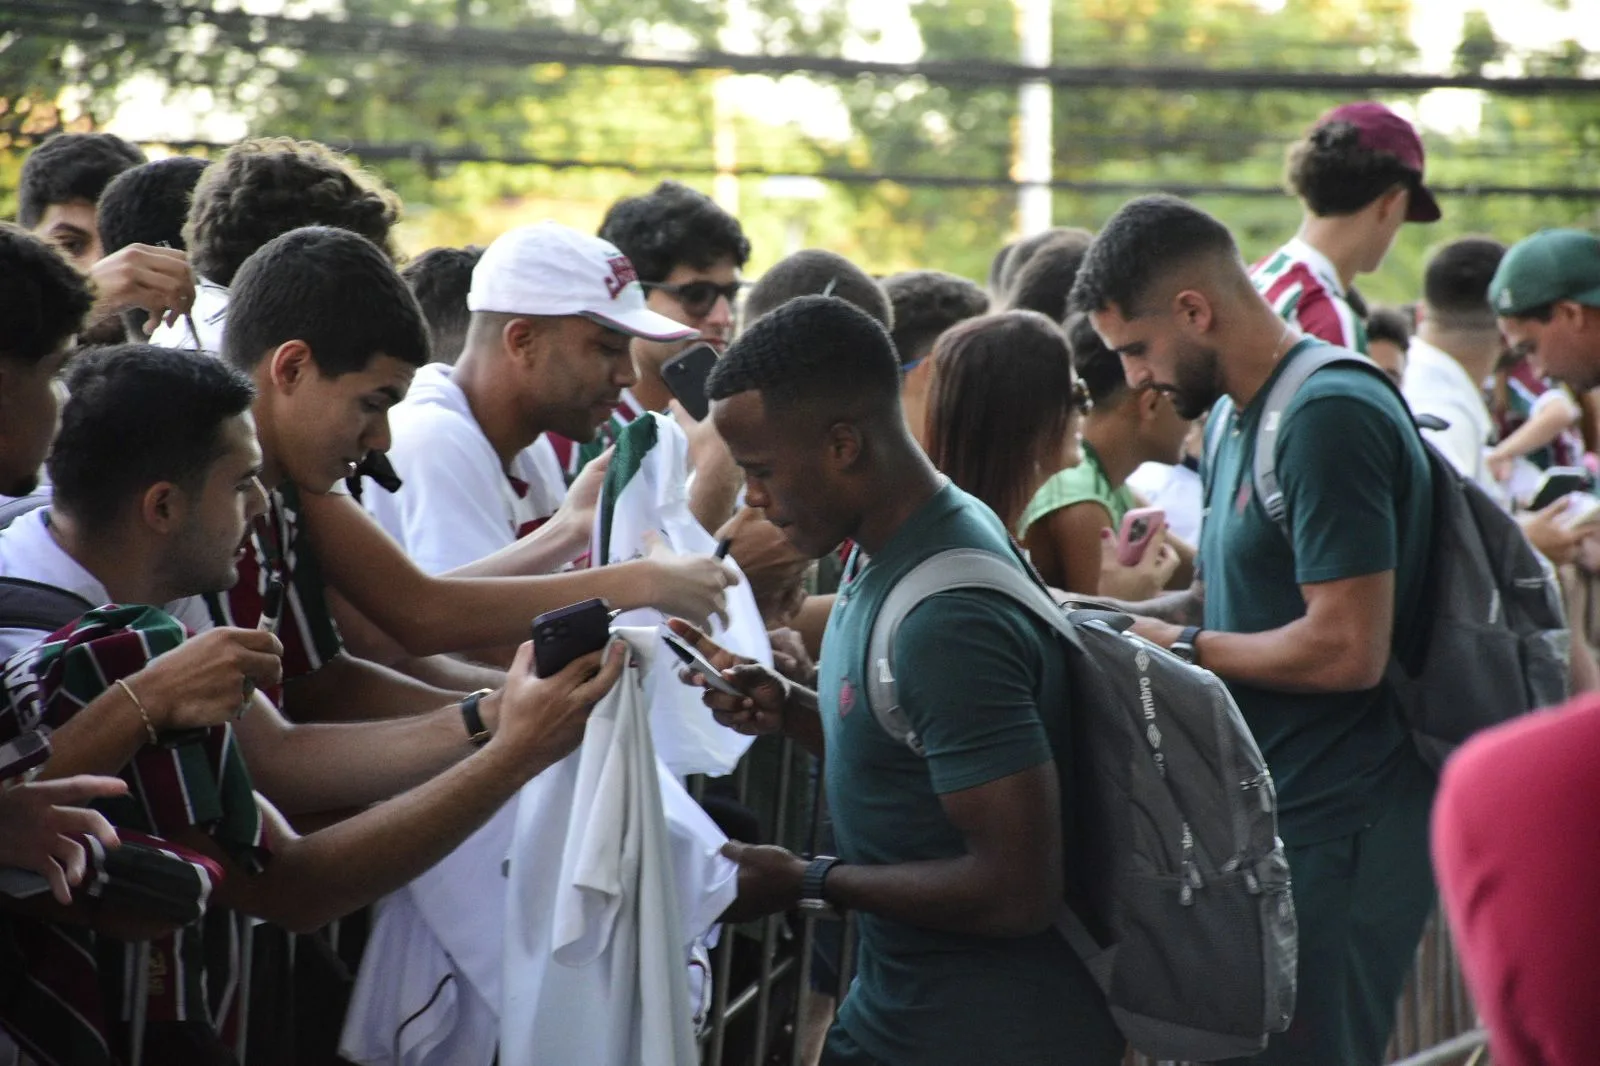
pixel 209 314
pixel 28 551
pixel 1436 384
pixel 457 505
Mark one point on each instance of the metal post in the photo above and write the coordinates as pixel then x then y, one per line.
pixel 141 1002
pixel 773 922
pixel 1035 154
pixel 247 954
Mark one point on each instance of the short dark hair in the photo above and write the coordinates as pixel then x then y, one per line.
pixel 265 187
pixel 1046 279
pixel 1390 324
pixel 999 406
pixel 1098 367
pixel 813 352
pixel 71 166
pixel 925 303
pixel 671 225
pixel 440 279
pixel 43 300
pixel 1455 283
pixel 1146 239
pixel 149 203
pixel 139 415
pixel 1022 251
pixel 330 288
pixel 1336 175
pixel 815 272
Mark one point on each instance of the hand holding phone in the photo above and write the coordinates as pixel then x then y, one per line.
pixel 1139 528
pixel 685 375
pixel 1557 482
pixel 569 633
pixel 699 664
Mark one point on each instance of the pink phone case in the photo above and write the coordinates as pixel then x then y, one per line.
pixel 1139 528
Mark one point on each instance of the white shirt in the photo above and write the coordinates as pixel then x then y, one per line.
pixel 209 314
pixel 614 875
pixel 1436 384
pixel 457 505
pixel 28 551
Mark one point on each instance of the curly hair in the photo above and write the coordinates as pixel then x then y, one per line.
pixel 1000 406
pixel 815 272
pixel 266 187
pixel 1335 175
pixel 672 225
pixel 43 300
pixel 149 203
pixel 926 303
pixel 71 166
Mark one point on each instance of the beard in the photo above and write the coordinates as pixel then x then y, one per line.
pixel 1198 382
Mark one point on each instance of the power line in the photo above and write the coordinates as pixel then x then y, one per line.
pixel 429 156
pixel 467 45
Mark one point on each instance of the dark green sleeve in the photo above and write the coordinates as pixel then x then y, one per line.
pixel 968 665
pixel 1340 459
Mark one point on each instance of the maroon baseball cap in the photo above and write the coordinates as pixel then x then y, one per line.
pixel 1381 130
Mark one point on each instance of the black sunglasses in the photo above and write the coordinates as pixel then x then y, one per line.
pixel 698 298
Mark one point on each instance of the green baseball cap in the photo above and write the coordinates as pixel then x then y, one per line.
pixel 1553 264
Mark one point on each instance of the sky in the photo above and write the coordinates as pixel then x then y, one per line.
pixel 1436 27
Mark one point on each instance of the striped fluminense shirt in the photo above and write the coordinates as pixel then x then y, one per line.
pixel 68 987
pixel 1304 289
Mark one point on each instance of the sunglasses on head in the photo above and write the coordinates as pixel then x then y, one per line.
pixel 698 298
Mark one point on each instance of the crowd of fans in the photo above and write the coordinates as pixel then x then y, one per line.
pixel 281 505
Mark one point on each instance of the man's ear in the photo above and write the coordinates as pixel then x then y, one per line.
pixel 1194 310
pixel 843 446
pixel 163 507
pixel 290 365
pixel 520 337
pixel 1396 199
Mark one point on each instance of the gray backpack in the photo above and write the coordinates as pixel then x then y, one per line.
pixel 1491 640
pixel 1187 922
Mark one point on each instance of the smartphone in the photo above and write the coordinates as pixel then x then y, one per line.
pixel 1139 528
pixel 569 633
pixel 23 753
pixel 699 664
pixel 686 373
pixel 1557 482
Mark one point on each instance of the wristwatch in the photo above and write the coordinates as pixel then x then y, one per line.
pixel 811 884
pixel 476 731
pixel 1185 647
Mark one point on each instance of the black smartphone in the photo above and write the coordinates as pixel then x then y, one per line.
pixel 23 753
pixel 1560 481
pixel 686 373
pixel 569 633
pixel 692 658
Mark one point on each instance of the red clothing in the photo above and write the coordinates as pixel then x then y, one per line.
pixel 1516 845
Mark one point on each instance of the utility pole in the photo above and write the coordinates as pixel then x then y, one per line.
pixel 1035 155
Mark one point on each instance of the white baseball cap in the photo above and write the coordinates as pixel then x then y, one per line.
pixel 553 270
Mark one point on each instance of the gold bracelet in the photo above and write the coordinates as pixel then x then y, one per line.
pixel 149 729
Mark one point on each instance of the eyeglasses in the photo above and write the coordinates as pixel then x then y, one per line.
pixel 699 298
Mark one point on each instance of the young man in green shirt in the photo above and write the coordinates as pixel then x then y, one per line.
pixel 957 860
pixel 1300 627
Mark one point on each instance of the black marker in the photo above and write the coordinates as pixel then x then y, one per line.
pixel 722 548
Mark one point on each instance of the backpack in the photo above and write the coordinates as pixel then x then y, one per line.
pixel 1491 639
pixel 1187 923
pixel 29 605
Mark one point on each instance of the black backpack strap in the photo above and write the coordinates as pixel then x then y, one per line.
pixel 30 605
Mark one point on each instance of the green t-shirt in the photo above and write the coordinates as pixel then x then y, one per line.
pixel 1083 483
pixel 985 687
pixel 1357 493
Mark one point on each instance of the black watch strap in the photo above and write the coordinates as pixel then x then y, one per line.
pixel 816 874
pixel 1186 646
pixel 476 732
